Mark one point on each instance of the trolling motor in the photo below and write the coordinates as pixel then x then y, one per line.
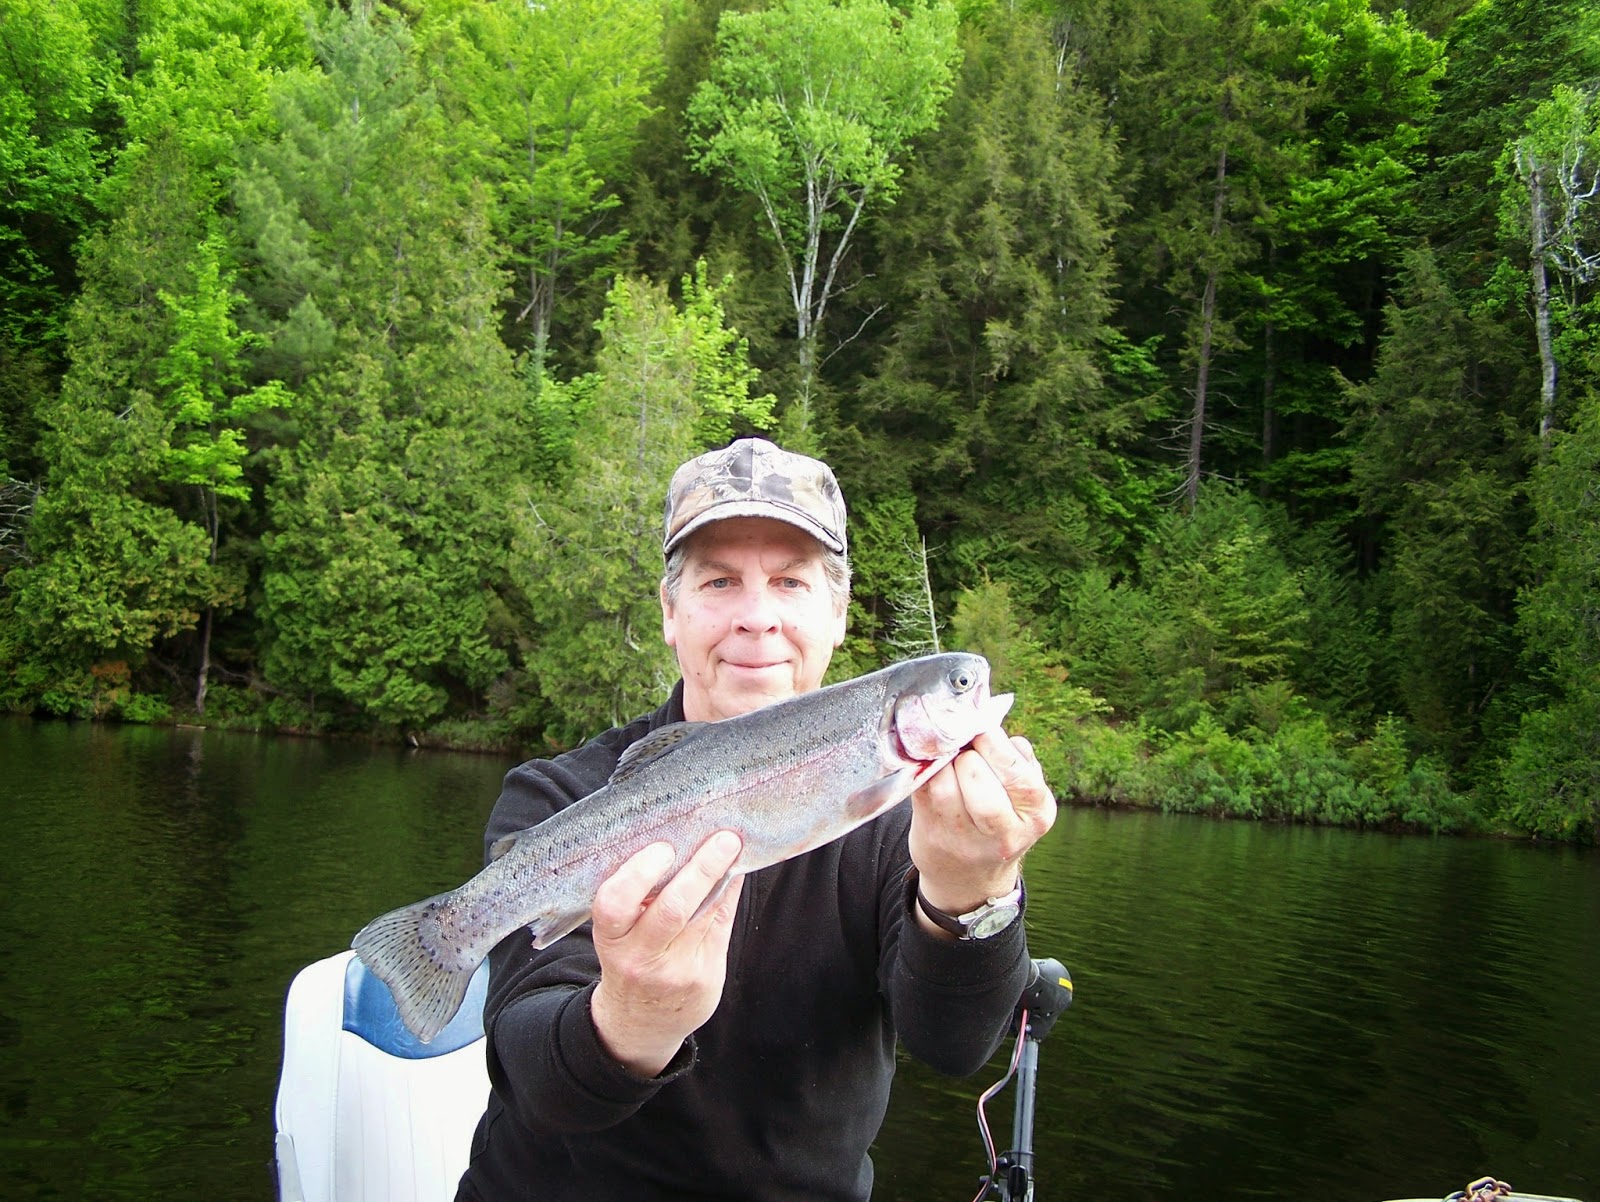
pixel 1010 1176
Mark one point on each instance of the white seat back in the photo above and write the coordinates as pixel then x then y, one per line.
pixel 364 1112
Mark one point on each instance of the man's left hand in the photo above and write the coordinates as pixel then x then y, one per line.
pixel 973 820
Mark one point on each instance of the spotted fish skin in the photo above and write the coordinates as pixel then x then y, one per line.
pixel 786 778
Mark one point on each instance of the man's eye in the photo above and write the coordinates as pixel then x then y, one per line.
pixel 791 582
pixel 721 582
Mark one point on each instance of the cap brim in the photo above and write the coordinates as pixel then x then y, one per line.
pixel 757 509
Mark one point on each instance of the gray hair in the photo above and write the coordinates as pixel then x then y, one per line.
pixel 835 565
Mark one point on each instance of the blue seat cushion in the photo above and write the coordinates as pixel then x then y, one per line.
pixel 369 1012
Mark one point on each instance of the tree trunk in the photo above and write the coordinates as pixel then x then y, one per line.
pixel 1208 321
pixel 202 678
pixel 1269 380
pixel 208 503
pixel 1539 220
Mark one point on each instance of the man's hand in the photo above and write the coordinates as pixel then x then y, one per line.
pixel 661 968
pixel 974 819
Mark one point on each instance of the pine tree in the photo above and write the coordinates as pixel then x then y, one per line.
pixel 1216 126
pixel 587 552
pixel 989 399
pixel 374 278
pixel 1437 466
pixel 1551 776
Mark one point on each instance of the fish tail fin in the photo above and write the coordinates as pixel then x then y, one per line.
pixel 427 993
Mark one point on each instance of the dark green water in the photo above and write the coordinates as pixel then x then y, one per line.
pixel 1262 1012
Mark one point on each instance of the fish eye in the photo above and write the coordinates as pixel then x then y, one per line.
pixel 962 679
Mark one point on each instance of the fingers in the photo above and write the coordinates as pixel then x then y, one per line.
pixel 663 949
pixel 992 798
pixel 621 897
pixel 685 895
pixel 628 901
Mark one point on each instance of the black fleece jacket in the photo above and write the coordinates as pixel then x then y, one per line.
pixel 781 1093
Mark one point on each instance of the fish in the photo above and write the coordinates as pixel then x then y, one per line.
pixel 787 778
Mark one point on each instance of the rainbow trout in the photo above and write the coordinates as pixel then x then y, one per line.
pixel 786 778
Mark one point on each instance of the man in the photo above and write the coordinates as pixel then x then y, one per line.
pixel 747 1052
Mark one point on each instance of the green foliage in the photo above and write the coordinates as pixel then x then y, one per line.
pixel 586 549
pixel 1022 273
pixel 991 392
pixel 555 94
pixel 1551 778
pixel 1505 59
pixel 202 375
pixel 1299 775
pixel 50 160
pixel 107 577
pixel 388 501
pixel 1441 470
pixel 1228 611
pixel 1048 707
pixel 810 107
pixel 1344 210
pixel 204 79
pixel 1337 663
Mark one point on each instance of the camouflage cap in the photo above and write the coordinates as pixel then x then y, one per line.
pixel 754 478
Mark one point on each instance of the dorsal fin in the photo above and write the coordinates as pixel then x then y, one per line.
pixel 653 746
pixel 504 844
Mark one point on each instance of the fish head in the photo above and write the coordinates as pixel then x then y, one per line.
pixel 941 703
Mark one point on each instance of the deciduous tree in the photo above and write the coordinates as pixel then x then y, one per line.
pixel 557 93
pixel 811 107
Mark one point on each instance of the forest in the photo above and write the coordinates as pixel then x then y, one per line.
pixel 1227 371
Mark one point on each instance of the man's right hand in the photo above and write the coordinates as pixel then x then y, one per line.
pixel 661 968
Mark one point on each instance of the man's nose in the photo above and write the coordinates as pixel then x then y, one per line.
pixel 757 611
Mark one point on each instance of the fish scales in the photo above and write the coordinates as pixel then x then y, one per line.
pixel 787 778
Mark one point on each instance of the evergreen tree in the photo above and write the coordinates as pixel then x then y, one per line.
pixel 110 567
pixel 155 380
pixel 990 394
pixel 1440 469
pixel 375 274
pixel 587 552
pixel 1217 129
pixel 1227 610
pixel 1551 777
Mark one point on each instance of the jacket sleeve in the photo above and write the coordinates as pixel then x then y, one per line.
pixel 952 1000
pixel 545 1058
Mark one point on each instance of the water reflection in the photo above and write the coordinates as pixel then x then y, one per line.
pixel 1261 1011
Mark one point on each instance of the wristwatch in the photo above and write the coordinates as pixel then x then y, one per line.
pixel 992 917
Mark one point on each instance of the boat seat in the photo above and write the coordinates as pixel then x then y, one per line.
pixel 365 1111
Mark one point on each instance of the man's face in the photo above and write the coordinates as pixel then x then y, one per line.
pixel 754 621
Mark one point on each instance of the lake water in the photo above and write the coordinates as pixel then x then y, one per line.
pixel 1262 1012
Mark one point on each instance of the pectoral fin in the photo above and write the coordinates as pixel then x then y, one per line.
pixel 880 795
pixel 714 896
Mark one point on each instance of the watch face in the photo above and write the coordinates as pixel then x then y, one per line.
pixel 993 922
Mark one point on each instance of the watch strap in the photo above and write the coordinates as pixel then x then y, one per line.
pixel 940 918
pixel 961 925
